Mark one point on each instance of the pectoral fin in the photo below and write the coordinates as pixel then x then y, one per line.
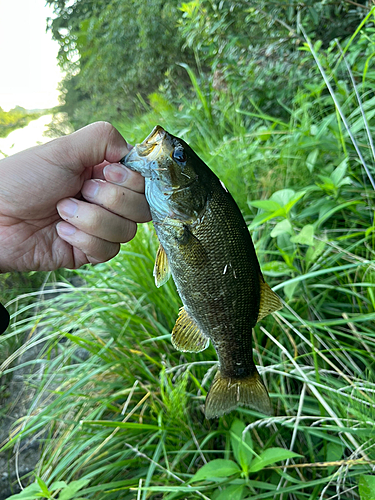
pixel 162 271
pixel 269 301
pixel 191 248
pixel 186 335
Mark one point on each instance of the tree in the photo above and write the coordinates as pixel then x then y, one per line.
pixel 117 50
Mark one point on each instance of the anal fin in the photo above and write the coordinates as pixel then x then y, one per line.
pixel 227 393
pixel 186 335
pixel 269 301
pixel 162 271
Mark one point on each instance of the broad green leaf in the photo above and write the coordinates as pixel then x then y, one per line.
pixel 334 453
pixel 269 457
pixel 281 227
pixel 264 217
pixel 259 219
pixel 57 485
pixel 283 196
pixel 311 159
pixel 216 468
pixel 28 493
pixel 266 133
pixel 72 488
pixel 293 201
pixel 43 487
pixel 242 449
pixel 233 492
pixel 366 487
pixel 314 252
pixel 345 181
pixel 267 205
pixel 326 180
pixel 339 172
pixel 276 268
pixel 286 248
pixel 305 236
pixel 316 18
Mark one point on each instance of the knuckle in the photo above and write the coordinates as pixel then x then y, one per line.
pixel 103 127
pixel 111 197
pixel 92 218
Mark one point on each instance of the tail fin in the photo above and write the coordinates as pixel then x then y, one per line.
pixel 226 393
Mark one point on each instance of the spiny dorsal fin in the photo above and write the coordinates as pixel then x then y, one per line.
pixel 269 301
pixel 227 393
pixel 186 336
pixel 162 271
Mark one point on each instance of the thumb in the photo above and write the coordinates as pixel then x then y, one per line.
pixel 90 146
pixel 42 175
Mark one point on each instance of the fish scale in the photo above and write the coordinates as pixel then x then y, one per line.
pixel 228 303
pixel 206 247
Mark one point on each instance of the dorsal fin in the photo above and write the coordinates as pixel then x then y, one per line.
pixel 269 301
pixel 186 335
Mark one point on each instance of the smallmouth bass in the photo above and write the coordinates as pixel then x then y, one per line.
pixel 206 246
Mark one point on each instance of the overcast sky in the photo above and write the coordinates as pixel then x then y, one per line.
pixel 28 67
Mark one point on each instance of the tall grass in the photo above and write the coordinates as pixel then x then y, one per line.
pixel 121 411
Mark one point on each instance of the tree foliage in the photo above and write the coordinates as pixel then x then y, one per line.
pixel 254 46
pixel 17 117
pixel 117 52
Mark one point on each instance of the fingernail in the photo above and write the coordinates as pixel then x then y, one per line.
pixel 90 188
pixel 68 208
pixel 66 229
pixel 116 174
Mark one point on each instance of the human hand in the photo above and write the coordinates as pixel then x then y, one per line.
pixel 74 178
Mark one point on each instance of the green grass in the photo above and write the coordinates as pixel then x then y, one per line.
pixel 128 423
pixel 131 414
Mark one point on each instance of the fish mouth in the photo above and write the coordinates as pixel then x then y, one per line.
pixel 151 142
pixel 141 157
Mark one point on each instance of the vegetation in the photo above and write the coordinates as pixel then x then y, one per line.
pixel 116 53
pixel 15 118
pixel 124 421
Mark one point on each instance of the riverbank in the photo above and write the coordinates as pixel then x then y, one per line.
pixel 26 137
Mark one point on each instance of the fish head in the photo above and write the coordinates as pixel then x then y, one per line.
pixel 174 175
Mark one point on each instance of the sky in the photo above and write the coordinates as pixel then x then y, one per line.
pixel 29 73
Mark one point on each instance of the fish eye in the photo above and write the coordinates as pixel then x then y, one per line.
pixel 179 155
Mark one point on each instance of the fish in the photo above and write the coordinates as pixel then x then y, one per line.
pixel 206 247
